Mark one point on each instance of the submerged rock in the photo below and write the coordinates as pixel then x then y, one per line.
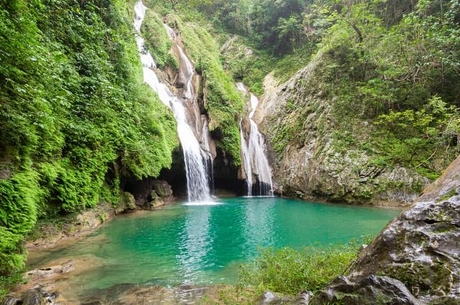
pixel 124 294
pixel 415 259
pixel 34 296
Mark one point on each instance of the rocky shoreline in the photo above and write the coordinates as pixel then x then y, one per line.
pixel 41 286
pixel 47 286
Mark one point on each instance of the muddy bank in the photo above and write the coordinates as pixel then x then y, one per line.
pixel 53 235
pixel 145 195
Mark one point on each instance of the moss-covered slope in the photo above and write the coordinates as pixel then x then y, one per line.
pixel 76 118
pixel 222 101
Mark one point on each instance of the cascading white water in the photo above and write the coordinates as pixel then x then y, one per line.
pixel 245 150
pixel 246 160
pixel 186 72
pixel 254 160
pixel 259 161
pixel 207 150
pixel 197 182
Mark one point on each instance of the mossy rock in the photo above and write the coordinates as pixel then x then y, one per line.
pixel 127 202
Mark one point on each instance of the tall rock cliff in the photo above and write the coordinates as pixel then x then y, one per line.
pixel 319 152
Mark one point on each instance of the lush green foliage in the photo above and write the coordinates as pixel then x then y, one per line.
pixel 282 35
pixel 250 65
pixel 75 115
pixel 402 75
pixel 222 102
pixel 18 213
pixel 408 133
pixel 180 4
pixel 276 26
pixel 158 40
pixel 378 61
pixel 7 283
pixel 76 118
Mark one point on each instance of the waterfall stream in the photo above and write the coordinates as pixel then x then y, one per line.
pixel 186 113
pixel 255 162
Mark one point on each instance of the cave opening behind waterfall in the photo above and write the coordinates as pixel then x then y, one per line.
pixel 223 178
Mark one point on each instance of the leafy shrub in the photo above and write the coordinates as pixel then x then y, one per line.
pixel 411 138
pixel 18 214
pixel 158 40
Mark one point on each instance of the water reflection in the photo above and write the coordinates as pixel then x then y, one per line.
pixel 208 241
pixel 259 225
pixel 195 242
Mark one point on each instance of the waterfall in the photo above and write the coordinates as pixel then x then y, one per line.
pixel 255 162
pixel 246 160
pixel 194 156
pixel 207 150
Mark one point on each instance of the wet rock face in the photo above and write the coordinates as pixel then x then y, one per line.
pixel 34 296
pixel 419 251
pixel 370 290
pixel 126 202
pixel 421 248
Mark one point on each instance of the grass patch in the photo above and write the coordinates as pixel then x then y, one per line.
pixel 287 272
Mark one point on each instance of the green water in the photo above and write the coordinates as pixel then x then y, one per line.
pixel 204 245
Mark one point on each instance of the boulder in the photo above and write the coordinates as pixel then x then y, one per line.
pixel 370 290
pixel 162 189
pixel 150 193
pixel 160 195
pixel 126 202
pixel 415 259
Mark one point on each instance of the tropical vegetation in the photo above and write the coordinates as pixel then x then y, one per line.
pixel 77 122
pixel 76 118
